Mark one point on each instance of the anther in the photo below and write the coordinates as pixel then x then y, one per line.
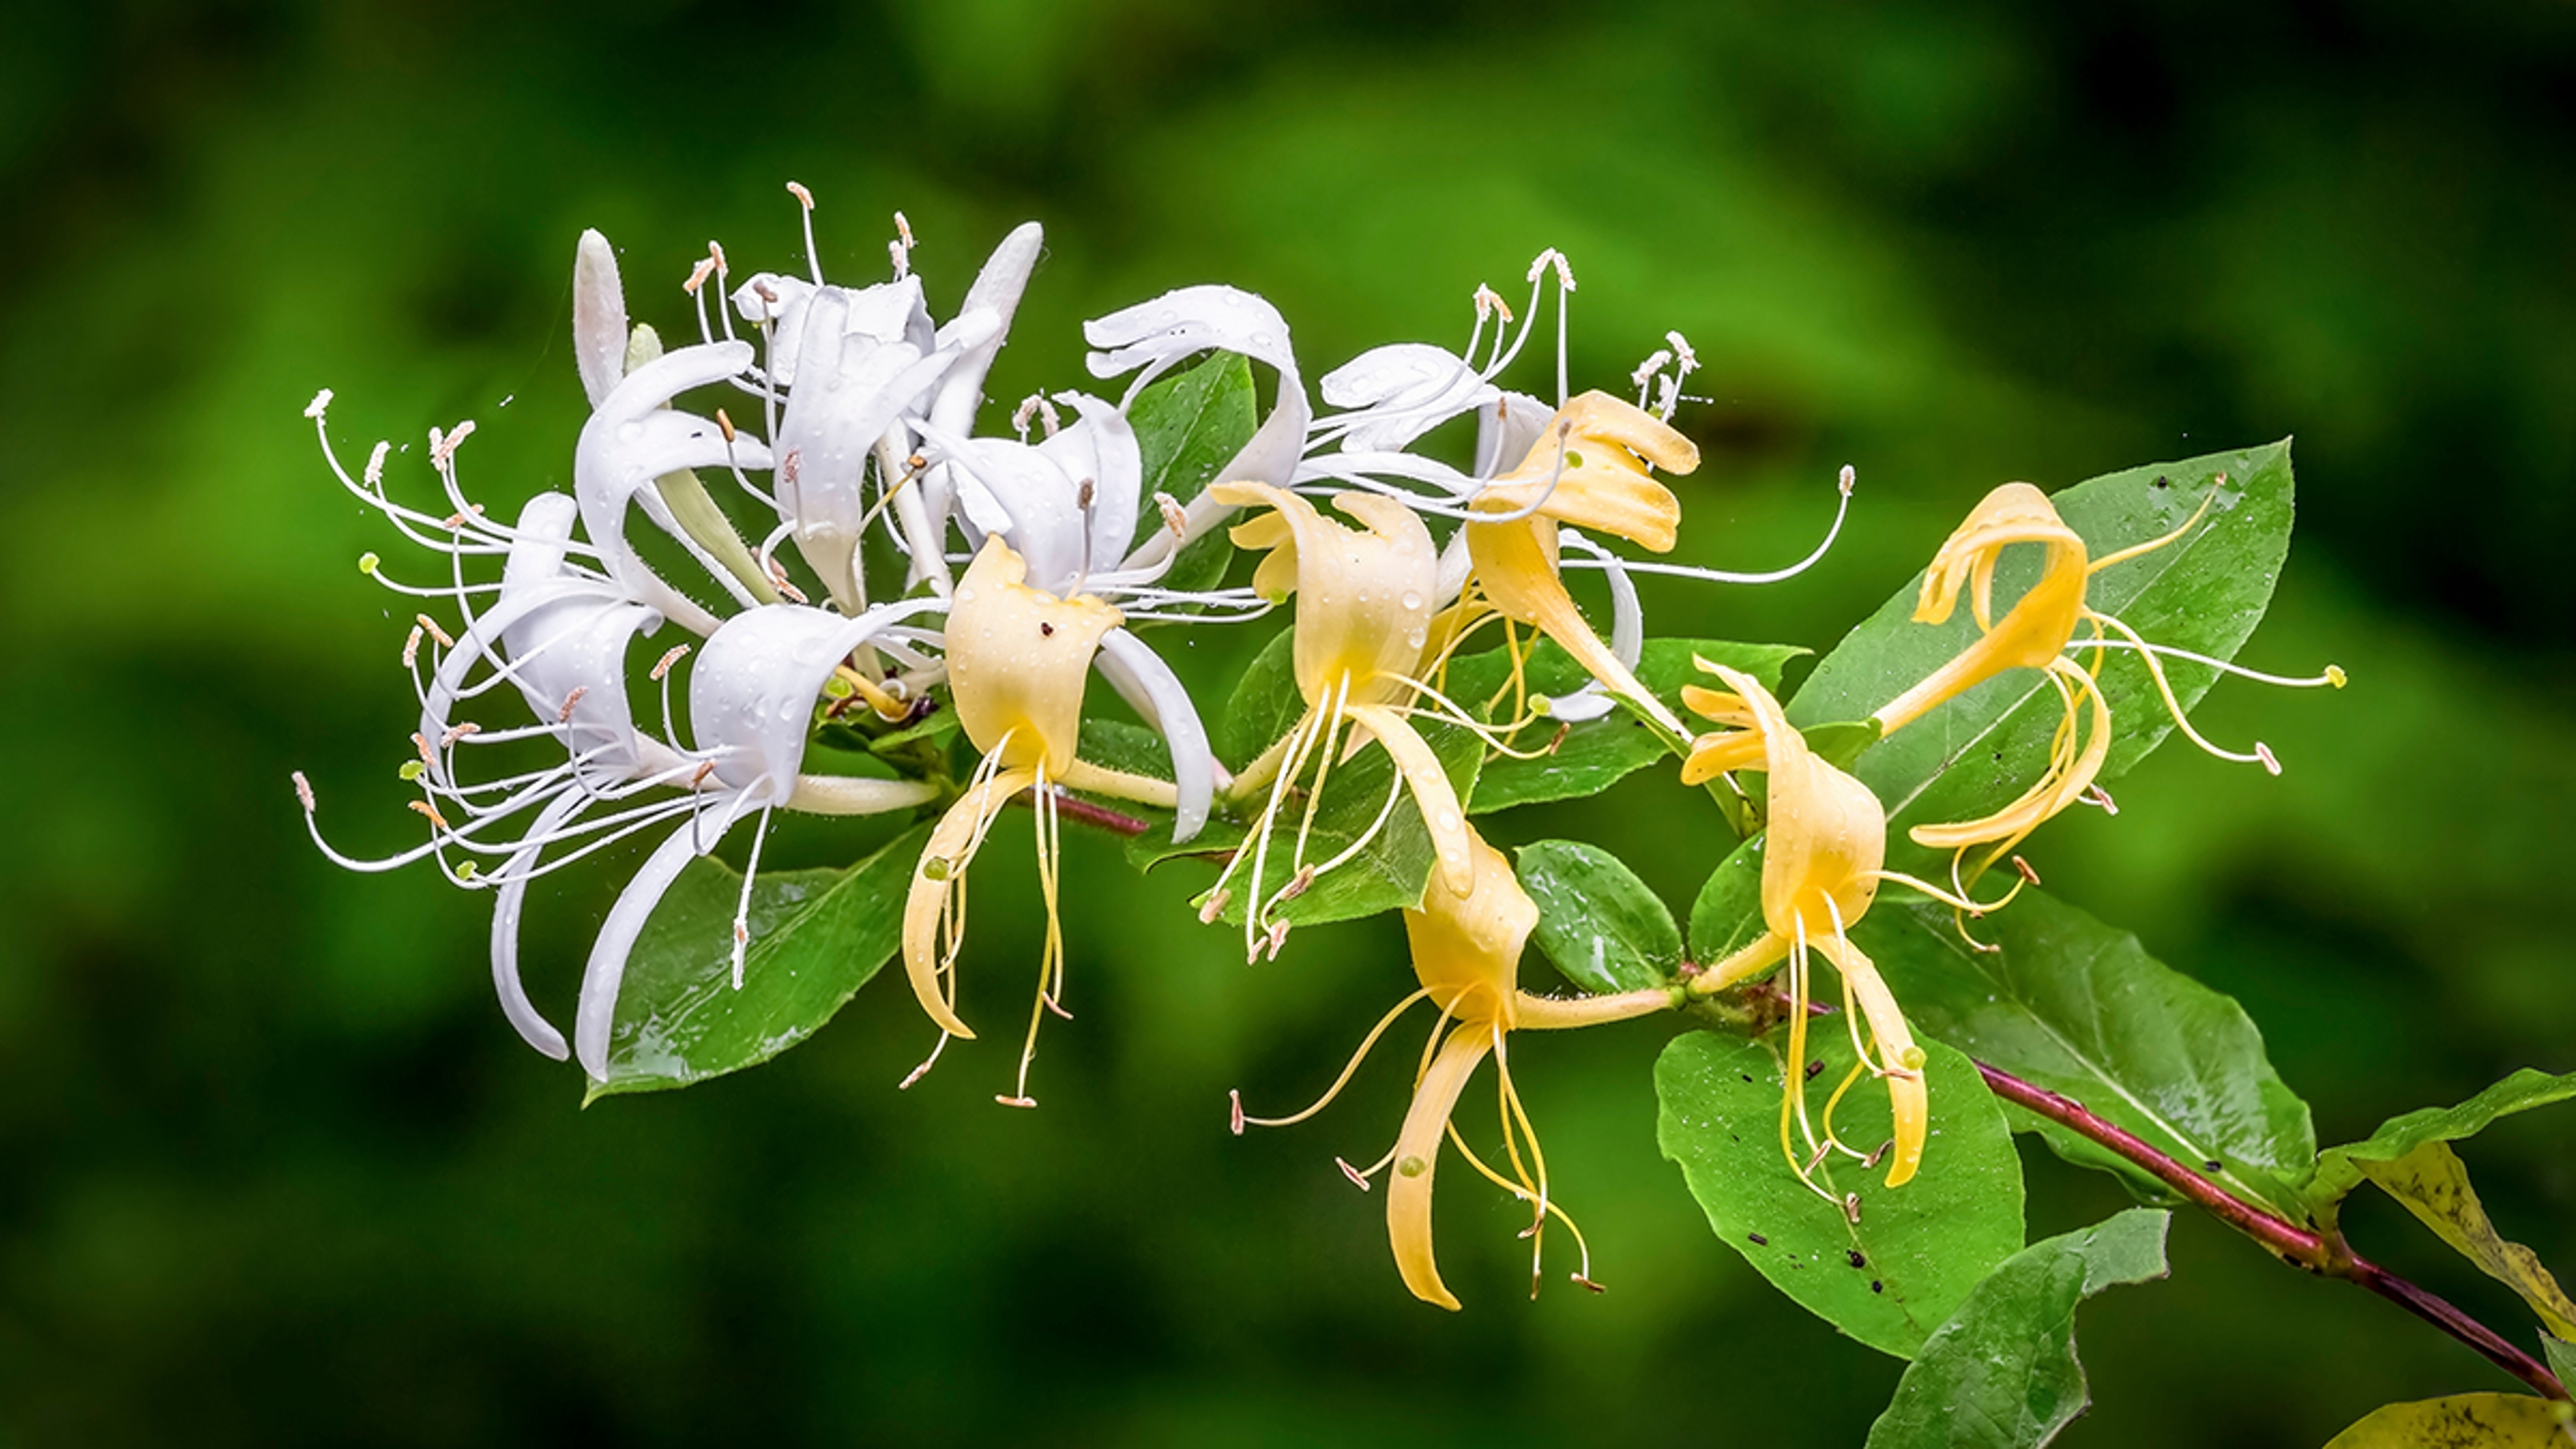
pixel 425 808
pixel 1278 938
pixel 1055 1006
pixel 716 250
pixel 1082 496
pixel 778 579
pixel 804 198
pixel 2096 795
pixel 765 292
pixel 1298 885
pixel 457 732
pixel 2027 873
pixel 421 743
pixel 791 465
pixel 1682 350
pixel 1851 1208
pixel 435 632
pixel 564 715
pixel 1489 303
pixel 1870 1163
pixel 1815 1069
pixel 662 666
pixel 411 647
pixel 903 229
pixel 442 450
pixel 1234 1107
pixel 2263 752
pixel 1358 1178
pixel 1213 907
pixel 1655 362
pixel 1586 1284
pixel 1813 1162
pixel 724 425
pixel 698 275
pixel 321 403
pixel 375 474
pixel 1850 476
pixel 700 777
pixel 304 787
pixel 1016 1101
pixel 1173 518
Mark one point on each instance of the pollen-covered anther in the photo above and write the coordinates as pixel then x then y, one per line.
pixel 698 275
pixel 435 632
pixel 375 474
pixel 699 777
pixel 1213 906
pixel 1870 1163
pixel 1298 884
pixel 1234 1107
pixel 321 404
pixel 424 808
pixel 1553 258
pixel 457 732
pixel 804 198
pixel 411 647
pixel 724 425
pixel 786 586
pixel 442 450
pixel 564 715
pixel 1016 1101
pixel 1850 477
pixel 1682 351
pixel 304 787
pixel 1358 1178
pixel 2263 752
pixel 1278 938
pixel 2027 873
pixel 1851 1208
pixel 903 229
pixel 420 742
pixel 1587 1284
pixel 2096 795
pixel 1489 303
pixel 1173 518
pixel 662 666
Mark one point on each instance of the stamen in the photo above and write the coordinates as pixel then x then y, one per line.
pixel 919 1072
pixel 662 666
pixel 435 632
pixel 564 715
pixel 1348 1069
pixel 1851 1208
pixel 1213 906
pixel 2263 752
pixel 321 404
pixel 304 787
pixel 2096 795
pixel 1358 1178
pixel 2027 874
pixel 1234 1107
pixel 813 258
pixel 1016 1101
pixel 423 807
pixel 411 647
pixel 1173 517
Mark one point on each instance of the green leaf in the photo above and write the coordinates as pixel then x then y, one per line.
pixel 1188 425
pixel 2339 1169
pixel 1388 873
pixel 1265 704
pixel 2080 1008
pixel 1600 924
pixel 816 938
pixel 1596 754
pixel 2002 1373
pixel 1890 1278
pixel 2562 1357
pixel 2204 592
pixel 1727 915
pixel 2462 1421
pixel 1115 744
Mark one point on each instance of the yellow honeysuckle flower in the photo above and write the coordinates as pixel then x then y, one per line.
pixel 1589 468
pixel 1466 953
pixel 2038 632
pixel 1824 857
pixel 1018 660
pixel 1364 600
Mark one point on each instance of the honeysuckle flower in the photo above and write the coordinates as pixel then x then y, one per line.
pixel 1151 338
pixel 633 438
pixel 1590 467
pixel 1823 860
pixel 1466 952
pixel 1019 658
pixel 1363 618
pixel 751 707
pixel 2038 632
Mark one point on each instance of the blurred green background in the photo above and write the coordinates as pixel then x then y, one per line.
pixel 273 1170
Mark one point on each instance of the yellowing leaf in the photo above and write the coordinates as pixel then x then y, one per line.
pixel 2434 1185
pixel 2463 1421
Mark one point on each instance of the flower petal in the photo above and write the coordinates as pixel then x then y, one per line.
pixel 1408 1193
pixel 598 319
pixel 1150 688
pixel 605 974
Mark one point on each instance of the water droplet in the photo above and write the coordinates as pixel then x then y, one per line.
pixel 1412 600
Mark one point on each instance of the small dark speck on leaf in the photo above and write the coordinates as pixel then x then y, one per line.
pixel 1876 1286
pixel 1748 1076
pixel 1815 1069
pixel 1857 1260
pixel 2162 481
pixel 2214 1165
pixel 1758 1240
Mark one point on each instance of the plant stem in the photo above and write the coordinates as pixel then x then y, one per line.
pixel 1083 811
pixel 2325 1256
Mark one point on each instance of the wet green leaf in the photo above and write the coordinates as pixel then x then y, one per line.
pixel 2002 1372
pixel 2078 1007
pixel 2205 592
pixel 816 938
pixel 1600 924
pixel 1890 1278
pixel 2462 1421
pixel 1189 424
pixel 1727 915
pixel 1265 704
pixel 1596 754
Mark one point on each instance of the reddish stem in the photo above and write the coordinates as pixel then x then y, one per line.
pixel 2325 1256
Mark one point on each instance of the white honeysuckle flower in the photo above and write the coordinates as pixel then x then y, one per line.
pixel 997 290
pixel 1066 506
pixel 634 437
pixel 751 706
pixel 1151 338
pixel 599 330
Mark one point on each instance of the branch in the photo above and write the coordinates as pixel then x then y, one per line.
pixel 2286 1240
